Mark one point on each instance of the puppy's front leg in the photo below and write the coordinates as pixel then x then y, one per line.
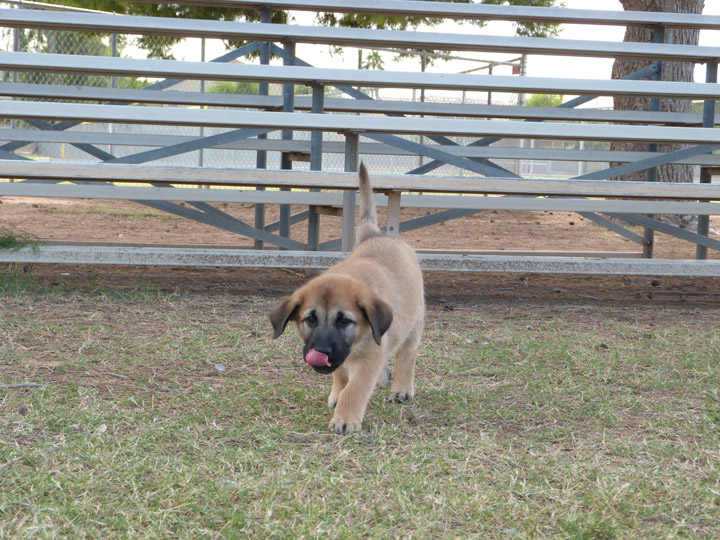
pixel 340 380
pixel 353 399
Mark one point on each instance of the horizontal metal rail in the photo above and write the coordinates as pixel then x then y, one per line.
pixel 481 252
pixel 335 147
pixel 351 123
pixel 483 12
pixel 59 63
pixel 373 106
pixel 219 257
pixel 353 37
pixel 25 189
pixel 77 172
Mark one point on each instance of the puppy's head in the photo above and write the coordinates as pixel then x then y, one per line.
pixel 333 313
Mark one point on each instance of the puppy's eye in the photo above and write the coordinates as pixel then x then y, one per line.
pixel 310 320
pixel 344 321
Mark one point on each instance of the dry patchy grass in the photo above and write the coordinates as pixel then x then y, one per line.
pixel 533 419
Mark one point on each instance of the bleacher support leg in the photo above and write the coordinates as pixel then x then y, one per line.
pixel 351 165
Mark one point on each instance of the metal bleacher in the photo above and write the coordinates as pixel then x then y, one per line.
pixel 46 112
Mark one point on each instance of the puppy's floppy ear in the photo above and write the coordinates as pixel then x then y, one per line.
pixel 283 313
pixel 379 314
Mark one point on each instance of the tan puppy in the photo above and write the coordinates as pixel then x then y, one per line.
pixel 359 313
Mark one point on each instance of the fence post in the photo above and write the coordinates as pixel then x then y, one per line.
pixel 348 216
pixel 423 67
pixel 201 155
pixel 316 137
pixel 261 159
pixel 523 72
pixel 287 135
pixel 651 174
pixel 393 213
pixel 113 83
pixel 16 48
pixel 703 226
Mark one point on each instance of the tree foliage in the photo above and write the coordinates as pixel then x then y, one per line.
pixel 544 100
pixel 234 87
pixel 385 22
pixel 160 48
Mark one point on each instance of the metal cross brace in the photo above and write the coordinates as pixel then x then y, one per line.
pixel 215 220
pixel 570 104
pixel 486 167
pixel 486 141
pixel 161 85
pixel 640 165
pixel 604 174
pixel 647 163
pixel 670 230
pixel 480 165
pixel 207 213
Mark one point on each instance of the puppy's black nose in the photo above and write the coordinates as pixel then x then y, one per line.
pixel 323 349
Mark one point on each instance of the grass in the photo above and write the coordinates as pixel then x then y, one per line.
pixel 14 280
pixel 527 424
pixel 14 240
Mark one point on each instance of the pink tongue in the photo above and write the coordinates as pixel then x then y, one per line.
pixel 317 359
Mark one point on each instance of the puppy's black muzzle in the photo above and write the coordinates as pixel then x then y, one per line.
pixel 335 351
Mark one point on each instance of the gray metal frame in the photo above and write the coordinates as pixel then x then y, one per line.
pixel 215 257
pixel 58 63
pixel 93 22
pixel 302 103
pixel 479 12
pixel 249 128
pixel 269 121
pixel 27 136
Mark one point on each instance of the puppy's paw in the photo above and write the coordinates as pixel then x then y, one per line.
pixel 401 397
pixel 332 401
pixel 343 427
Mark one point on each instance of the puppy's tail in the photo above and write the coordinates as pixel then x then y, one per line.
pixel 368 227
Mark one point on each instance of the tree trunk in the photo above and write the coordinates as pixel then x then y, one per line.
pixel 671 71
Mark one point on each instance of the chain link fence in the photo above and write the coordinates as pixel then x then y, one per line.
pixel 193 49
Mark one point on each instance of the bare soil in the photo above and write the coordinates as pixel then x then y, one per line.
pixel 127 222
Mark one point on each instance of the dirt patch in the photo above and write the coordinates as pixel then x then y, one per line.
pixel 445 291
pixel 127 222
